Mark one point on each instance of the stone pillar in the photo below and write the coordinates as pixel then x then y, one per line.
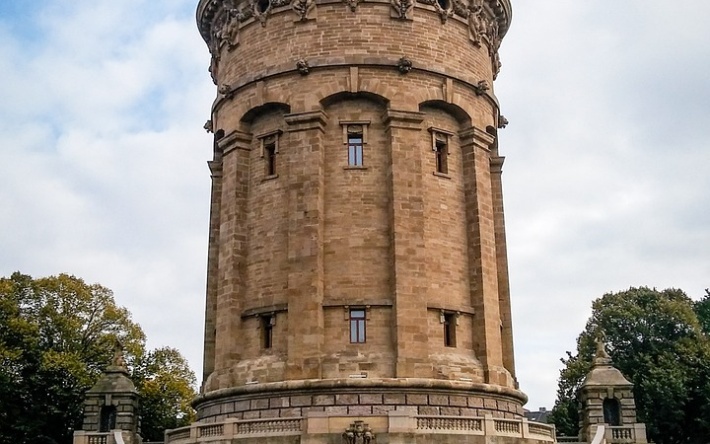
pixel 502 266
pixel 213 259
pixel 483 266
pixel 409 253
pixel 305 244
pixel 232 245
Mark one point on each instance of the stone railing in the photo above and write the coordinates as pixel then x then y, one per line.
pixel 234 428
pixel 85 437
pixel 487 426
pixel 620 434
pixel 99 438
pixel 397 422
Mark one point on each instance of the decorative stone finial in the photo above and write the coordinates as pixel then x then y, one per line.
pixel 118 360
pixel 208 126
pixel 602 357
pixel 358 433
pixel 502 122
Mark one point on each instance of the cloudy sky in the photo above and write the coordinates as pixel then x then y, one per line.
pixel 103 158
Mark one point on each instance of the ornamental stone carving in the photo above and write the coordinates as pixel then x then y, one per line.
pixel 402 9
pixel 303 8
pixel 502 122
pixel 230 34
pixel 261 9
pixel 404 65
pixel 481 87
pixel 352 4
pixel 303 67
pixel 476 21
pixel 358 433
pixel 445 11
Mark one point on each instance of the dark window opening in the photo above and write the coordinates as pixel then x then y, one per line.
pixel 442 155
pixel 444 4
pixel 611 412
pixel 355 146
pixel 267 328
pixel 357 326
pixel 449 330
pixel 263 5
pixel 270 156
pixel 107 418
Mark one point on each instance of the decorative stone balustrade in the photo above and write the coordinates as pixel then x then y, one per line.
pixel 395 422
pixel 620 434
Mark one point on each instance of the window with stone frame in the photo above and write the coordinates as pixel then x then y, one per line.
pixel 358 327
pixel 355 139
pixel 448 320
pixel 269 152
pixel 440 146
pixel 267 330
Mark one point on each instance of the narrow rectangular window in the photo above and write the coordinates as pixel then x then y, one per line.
pixel 442 154
pixel 449 330
pixel 269 152
pixel 267 329
pixel 357 326
pixel 270 157
pixel 355 143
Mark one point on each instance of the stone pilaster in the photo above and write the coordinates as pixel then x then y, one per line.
pixel 408 247
pixel 483 266
pixel 305 244
pixel 502 265
pixel 232 245
pixel 215 166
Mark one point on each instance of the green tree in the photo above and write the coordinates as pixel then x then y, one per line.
pixel 702 309
pixel 165 383
pixel 654 338
pixel 56 336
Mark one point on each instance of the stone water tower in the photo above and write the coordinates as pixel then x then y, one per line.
pixel 357 271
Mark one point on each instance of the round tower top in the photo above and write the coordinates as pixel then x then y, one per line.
pixel 208 11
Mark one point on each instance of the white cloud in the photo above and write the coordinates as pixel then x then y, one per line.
pixel 103 156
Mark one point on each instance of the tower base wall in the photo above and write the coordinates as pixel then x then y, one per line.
pixel 360 397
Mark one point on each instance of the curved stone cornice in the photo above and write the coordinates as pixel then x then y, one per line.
pixel 208 10
pixel 346 385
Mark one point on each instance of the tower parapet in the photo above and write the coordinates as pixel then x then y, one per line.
pixel 357 262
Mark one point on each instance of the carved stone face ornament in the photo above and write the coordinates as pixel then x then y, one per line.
pixel 358 433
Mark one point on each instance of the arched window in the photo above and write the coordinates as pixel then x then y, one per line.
pixel 107 420
pixel 611 412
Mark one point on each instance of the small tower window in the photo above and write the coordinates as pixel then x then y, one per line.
pixel 269 151
pixel 440 146
pixel 449 322
pixel 357 326
pixel 355 145
pixel 267 331
pixel 270 156
pixel 442 154
pixel 355 139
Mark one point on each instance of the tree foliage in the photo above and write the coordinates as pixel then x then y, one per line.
pixel 56 336
pixel 165 383
pixel 655 339
pixel 702 309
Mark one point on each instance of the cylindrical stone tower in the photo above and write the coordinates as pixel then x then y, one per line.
pixel 357 257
